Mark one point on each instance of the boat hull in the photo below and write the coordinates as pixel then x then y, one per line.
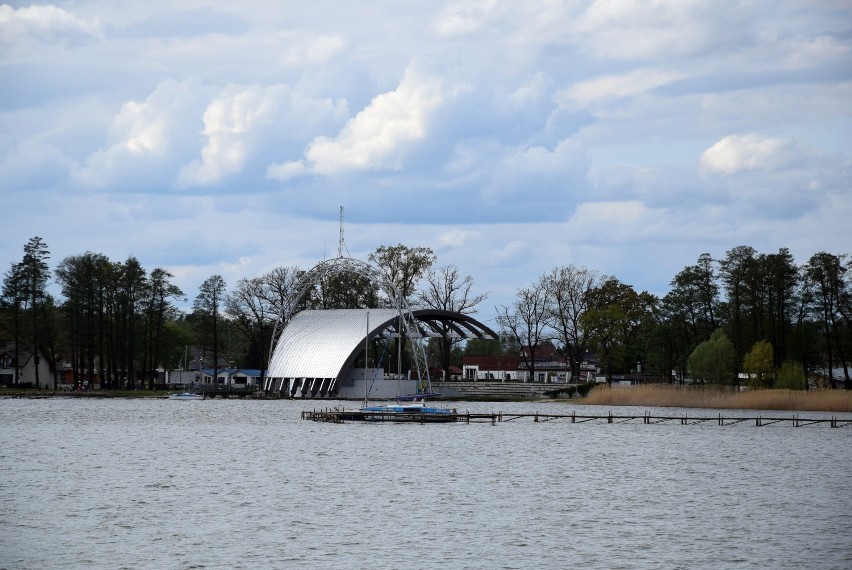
pixel 186 396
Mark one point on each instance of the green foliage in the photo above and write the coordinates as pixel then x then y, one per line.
pixel 791 376
pixel 759 364
pixel 714 360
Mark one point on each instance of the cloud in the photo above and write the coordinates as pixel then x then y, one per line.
pixel 314 50
pixel 229 122
pixel 378 137
pixel 465 18
pixel 638 29
pixel 22 27
pixel 613 86
pixel 33 164
pixel 749 152
pixel 186 23
pixel 456 238
pixel 514 252
pixel 146 138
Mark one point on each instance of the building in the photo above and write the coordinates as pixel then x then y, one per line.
pixel 25 365
pixel 322 354
pixel 487 368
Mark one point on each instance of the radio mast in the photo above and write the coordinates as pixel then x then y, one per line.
pixel 341 245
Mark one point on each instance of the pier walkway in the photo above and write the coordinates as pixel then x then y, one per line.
pixel 337 415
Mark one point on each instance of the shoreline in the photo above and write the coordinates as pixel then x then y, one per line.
pixel 714 397
pixel 652 395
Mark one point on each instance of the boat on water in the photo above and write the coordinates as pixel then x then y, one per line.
pixel 416 411
pixel 186 396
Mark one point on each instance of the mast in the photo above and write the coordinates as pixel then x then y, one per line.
pixel 341 245
pixel 366 355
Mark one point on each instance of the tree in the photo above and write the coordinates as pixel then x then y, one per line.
pixel 252 315
pixel 78 279
pixel 34 273
pixel 781 277
pixel 759 364
pixel 526 321
pixel 131 288
pixel 737 271
pixel 207 304
pixel 568 294
pixel 403 266
pixel 158 309
pixel 825 272
pixel 446 290
pixel 714 360
pixel 613 320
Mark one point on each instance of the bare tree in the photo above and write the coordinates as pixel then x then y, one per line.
pixel 447 290
pixel 252 315
pixel 526 321
pixel 568 289
pixel 277 287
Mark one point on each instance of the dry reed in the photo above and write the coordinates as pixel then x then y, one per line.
pixel 662 395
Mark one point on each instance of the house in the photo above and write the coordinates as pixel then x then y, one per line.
pixel 227 379
pixel 489 368
pixel 550 366
pixel 25 365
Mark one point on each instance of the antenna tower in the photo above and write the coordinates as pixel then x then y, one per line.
pixel 341 245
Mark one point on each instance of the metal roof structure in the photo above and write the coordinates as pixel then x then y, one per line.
pixel 325 343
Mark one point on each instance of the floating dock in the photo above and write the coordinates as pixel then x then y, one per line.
pixel 337 415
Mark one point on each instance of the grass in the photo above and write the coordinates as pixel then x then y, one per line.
pixel 662 395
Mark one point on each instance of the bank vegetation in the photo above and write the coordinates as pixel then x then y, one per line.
pixel 715 397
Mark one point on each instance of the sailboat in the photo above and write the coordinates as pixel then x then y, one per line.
pixel 413 411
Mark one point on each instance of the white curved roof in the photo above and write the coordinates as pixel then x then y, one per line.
pixel 317 344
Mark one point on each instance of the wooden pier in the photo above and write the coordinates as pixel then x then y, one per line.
pixel 338 415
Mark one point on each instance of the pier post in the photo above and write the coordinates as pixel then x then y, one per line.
pixel 609 418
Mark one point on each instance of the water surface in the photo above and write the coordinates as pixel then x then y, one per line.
pixel 248 484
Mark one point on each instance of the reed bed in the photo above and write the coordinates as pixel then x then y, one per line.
pixel 720 398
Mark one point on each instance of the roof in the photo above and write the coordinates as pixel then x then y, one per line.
pixel 324 344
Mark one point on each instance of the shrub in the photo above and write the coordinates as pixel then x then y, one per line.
pixel 791 376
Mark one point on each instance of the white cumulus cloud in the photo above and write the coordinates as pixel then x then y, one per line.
pixel 142 133
pixel 748 152
pixel 377 137
pixel 229 122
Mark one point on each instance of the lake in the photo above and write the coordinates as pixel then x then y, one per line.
pixel 154 483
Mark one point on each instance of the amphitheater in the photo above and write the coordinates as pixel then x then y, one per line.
pixel 342 353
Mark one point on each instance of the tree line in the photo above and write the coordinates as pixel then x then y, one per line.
pixel 761 314
pixel 116 323
pixel 750 315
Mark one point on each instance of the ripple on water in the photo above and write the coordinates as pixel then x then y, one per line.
pixel 245 484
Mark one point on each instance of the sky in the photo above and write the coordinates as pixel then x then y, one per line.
pixel 510 137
